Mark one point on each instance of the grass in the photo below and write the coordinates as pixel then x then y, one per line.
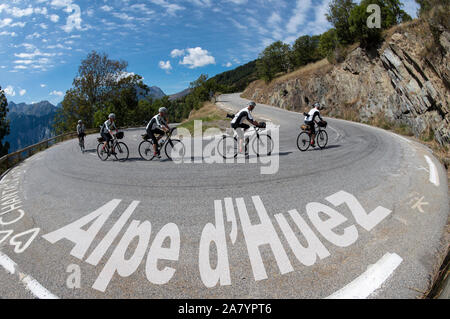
pixel 211 117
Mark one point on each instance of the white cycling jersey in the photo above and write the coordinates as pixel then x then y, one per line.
pixel 157 121
pixel 108 126
pixel 312 114
pixel 241 116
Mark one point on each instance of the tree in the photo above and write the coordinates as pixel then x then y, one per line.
pixel 273 60
pixel 338 15
pixel 327 43
pixel 4 123
pixel 101 86
pixel 98 76
pixel 305 50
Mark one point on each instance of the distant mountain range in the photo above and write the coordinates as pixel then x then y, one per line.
pixel 179 95
pixel 30 123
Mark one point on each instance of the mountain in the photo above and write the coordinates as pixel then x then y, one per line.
pixel 156 93
pixel 37 109
pixel 179 95
pixel 29 123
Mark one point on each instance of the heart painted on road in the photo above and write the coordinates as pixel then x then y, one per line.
pixel 7 233
pixel 19 245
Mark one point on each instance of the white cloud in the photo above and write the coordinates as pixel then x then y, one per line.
pixel 237 24
pixel 197 57
pixel 43 85
pixel 106 8
pixel 22 92
pixel 299 15
pixel 5 22
pixel 18 13
pixel 9 90
pixel 238 1
pixel 170 7
pixel 57 93
pixel 19 24
pixel 176 53
pixel 165 66
pixel 11 34
pixel 54 18
pixel 122 16
pixel 228 64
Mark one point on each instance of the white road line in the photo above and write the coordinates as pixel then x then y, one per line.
pixel 7 263
pixel 29 282
pixel 372 279
pixel 37 289
pixel 434 176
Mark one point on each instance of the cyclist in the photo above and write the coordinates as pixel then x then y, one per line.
pixel 81 131
pixel 106 131
pixel 158 125
pixel 310 119
pixel 239 117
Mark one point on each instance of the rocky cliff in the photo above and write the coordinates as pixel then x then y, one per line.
pixel 402 81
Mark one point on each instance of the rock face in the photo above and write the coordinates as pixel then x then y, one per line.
pixel 399 82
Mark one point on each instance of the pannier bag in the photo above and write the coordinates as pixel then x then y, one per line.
pixel 322 124
pixel 100 139
pixel 119 135
pixel 305 127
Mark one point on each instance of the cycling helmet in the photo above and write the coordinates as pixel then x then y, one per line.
pixel 162 110
pixel 251 103
pixel 112 116
pixel 80 121
pixel 317 105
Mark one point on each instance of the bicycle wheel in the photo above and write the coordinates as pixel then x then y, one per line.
pixel 322 139
pixel 227 147
pixel 175 150
pixel 262 145
pixel 122 151
pixel 146 150
pixel 303 141
pixel 102 154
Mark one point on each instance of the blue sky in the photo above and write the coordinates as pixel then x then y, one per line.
pixel 169 42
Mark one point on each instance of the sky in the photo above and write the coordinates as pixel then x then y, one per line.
pixel 168 42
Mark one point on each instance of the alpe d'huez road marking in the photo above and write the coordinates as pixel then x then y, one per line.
pixel 255 236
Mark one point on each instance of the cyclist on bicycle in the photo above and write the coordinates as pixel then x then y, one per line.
pixel 80 130
pixel 106 130
pixel 310 120
pixel 239 117
pixel 158 125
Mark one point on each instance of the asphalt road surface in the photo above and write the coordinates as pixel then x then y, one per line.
pixel 362 218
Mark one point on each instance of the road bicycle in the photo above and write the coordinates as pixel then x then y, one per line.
pixel 81 143
pixel 173 148
pixel 262 144
pixel 121 151
pixel 304 138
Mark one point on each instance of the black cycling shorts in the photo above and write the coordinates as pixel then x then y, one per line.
pixel 106 136
pixel 242 125
pixel 312 126
pixel 152 133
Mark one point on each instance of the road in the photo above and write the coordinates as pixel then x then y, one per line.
pixel 362 218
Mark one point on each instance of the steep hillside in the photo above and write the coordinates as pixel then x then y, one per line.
pixel 402 82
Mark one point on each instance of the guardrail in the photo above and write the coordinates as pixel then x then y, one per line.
pixel 12 159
